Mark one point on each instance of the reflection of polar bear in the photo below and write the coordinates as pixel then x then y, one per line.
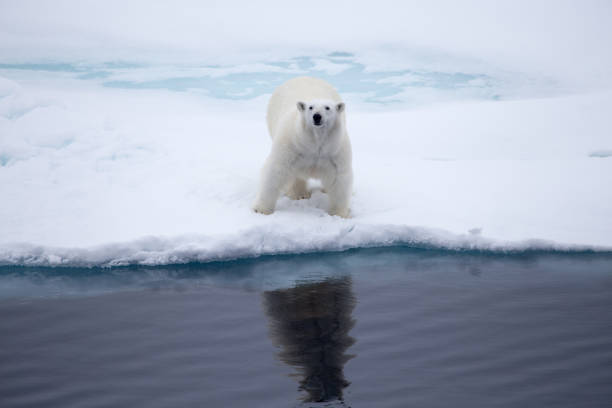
pixel 309 139
pixel 311 324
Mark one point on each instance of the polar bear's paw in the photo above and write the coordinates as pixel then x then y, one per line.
pixel 298 195
pixel 261 209
pixel 341 212
pixel 298 190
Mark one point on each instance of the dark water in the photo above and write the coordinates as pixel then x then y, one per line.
pixel 367 328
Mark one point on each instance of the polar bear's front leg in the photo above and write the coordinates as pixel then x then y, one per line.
pixel 339 190
pixel 273 178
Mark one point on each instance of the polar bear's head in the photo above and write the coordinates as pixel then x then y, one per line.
pixel 320 113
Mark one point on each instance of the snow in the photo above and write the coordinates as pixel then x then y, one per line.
pixel 139 139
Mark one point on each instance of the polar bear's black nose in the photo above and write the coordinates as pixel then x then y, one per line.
pixel 317 118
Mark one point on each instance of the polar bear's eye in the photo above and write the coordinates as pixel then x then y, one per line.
pixel 310 108
pixel 327 108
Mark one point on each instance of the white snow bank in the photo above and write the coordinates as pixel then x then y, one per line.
pixel 256 242
pixel 88 172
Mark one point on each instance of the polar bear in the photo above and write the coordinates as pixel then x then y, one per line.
pixel 306 120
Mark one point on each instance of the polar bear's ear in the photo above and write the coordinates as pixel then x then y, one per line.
pixel 340 107
pixel 301 106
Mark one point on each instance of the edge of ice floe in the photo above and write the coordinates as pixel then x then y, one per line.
pixel 260 241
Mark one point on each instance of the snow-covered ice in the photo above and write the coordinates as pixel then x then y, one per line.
pixel 113 163
pixel 105 176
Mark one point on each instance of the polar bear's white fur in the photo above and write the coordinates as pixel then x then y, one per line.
pixel 306 121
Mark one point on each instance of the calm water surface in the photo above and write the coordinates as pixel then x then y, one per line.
pixel 367 328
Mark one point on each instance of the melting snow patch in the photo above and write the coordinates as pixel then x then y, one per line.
pixel 601 153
